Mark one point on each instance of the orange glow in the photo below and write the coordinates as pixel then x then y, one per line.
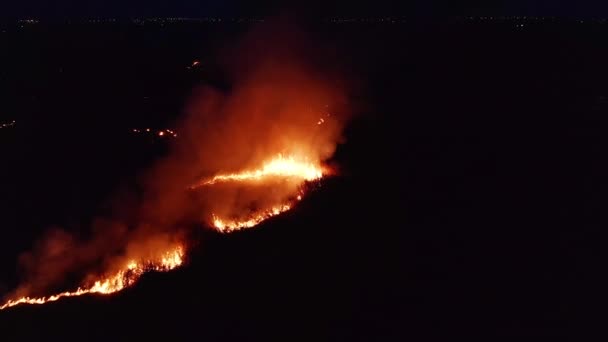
pixel 232 138
pixel 125 277
pixel 227 226
pixel 277 167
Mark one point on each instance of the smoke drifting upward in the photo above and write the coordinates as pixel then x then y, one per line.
pixel 280 121
pixel 284 103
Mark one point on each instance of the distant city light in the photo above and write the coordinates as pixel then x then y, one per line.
pixel 8 124
pixel 161 132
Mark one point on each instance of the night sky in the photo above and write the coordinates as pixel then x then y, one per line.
pixel 199 8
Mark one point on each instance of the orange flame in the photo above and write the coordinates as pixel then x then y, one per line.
pixel 277 167
pixel 118 281
pixel 270 107
pixel 280 166
pixel 227 226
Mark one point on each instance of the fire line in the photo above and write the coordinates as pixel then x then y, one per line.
pixel 280 166
pixel 118 281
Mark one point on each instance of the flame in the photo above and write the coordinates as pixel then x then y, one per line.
pixel 280 166
pixel 227 226
pixel 125 277
pixel 277 167
pixel 270 108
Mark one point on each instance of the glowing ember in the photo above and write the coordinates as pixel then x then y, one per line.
pixel 118 281
pixel 227 226
pixel 277 167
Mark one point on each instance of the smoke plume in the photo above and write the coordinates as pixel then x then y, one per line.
pixel 283 99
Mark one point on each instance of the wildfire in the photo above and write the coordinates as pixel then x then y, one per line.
pixel 227 226
pixel 271 108
pixel 118 281
pixel 280 166
pixel 277 167
pixel 289 167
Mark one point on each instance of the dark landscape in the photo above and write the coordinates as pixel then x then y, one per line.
pixel 468 202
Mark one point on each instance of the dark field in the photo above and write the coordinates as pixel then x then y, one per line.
pixel 470 200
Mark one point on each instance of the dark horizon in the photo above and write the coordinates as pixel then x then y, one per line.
pixel 65 9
